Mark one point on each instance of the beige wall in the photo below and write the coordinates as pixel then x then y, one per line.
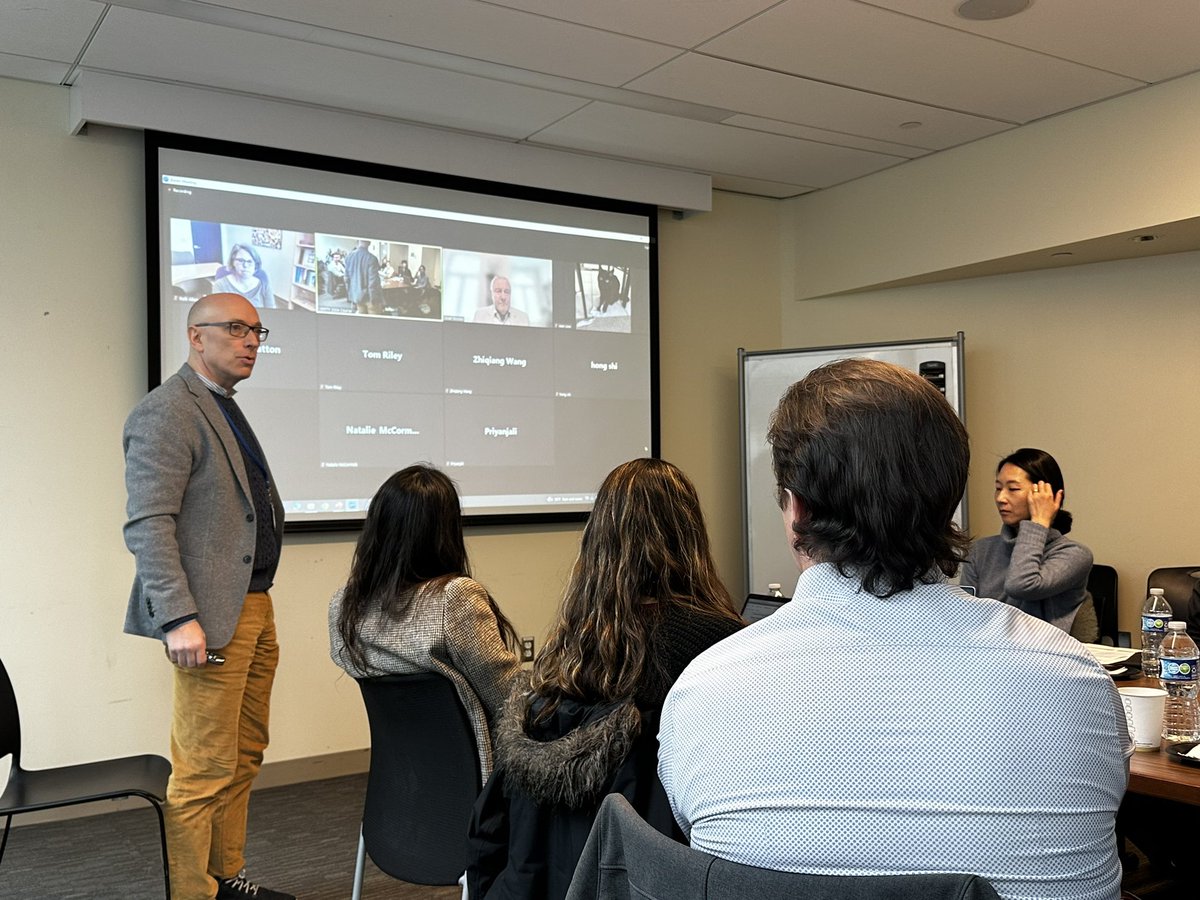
pixel 1096 364
pixel 721 287
pixel 1112 167
pixel 73 348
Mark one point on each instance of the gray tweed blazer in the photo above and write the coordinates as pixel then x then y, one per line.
pixel 452 632
pixel 190 522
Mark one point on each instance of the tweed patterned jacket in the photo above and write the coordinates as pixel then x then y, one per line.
pixel 452 632
pixel 190 517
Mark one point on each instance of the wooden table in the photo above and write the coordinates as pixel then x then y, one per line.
pixel 1154 774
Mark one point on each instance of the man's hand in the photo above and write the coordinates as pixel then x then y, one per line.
pixel 186 645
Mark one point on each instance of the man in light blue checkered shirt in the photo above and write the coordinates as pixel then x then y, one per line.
pixel 883 721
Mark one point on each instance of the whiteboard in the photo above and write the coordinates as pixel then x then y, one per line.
pixel 763 376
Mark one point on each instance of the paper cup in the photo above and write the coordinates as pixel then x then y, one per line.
pixel 1144 714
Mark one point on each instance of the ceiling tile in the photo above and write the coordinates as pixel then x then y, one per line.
pixel 787 98
pixel 48 29
pixel 680 23
pixel 718 149
pixel 872 49
pixel 783 94
pixel 477 30
pixel 1147 41
pixel 758 187
pixel 27 69
pixel 774 126
pixel 195 53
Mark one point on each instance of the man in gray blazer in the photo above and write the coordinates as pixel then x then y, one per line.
pixel 205 527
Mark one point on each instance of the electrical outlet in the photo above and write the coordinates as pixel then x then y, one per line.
pixel 526 649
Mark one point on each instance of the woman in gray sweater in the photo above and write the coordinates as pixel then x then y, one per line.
pixel 1030 564
pixel 410 604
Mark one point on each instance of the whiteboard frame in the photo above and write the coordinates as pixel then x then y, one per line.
pixel 805 360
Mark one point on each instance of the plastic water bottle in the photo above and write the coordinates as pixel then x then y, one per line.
pixel 774 589
pixel 1156 613
pixel 1181 715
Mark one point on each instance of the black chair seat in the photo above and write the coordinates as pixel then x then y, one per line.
pixel 30 790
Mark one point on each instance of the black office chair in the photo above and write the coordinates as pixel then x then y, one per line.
pixel 1102 585
pixel 1177 583
pixel 112 779
pixel 423 781
pixel 626 859
pixel 192 289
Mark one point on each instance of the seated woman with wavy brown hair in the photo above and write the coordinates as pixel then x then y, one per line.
pixel 642 601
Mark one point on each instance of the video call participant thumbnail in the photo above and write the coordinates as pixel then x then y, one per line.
pixel 245 276
pixel 501 311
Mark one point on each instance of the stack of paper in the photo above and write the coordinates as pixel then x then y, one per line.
pixel 1113 658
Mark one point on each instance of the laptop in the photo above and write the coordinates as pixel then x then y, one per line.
pixel 759 606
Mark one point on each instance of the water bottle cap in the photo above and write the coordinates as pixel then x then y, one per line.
pixel 1158 591
pixel 1176 625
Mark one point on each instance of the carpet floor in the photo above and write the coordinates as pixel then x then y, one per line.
pixel 302 839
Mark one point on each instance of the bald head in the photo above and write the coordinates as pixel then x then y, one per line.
pixel 212 350
pixel 222 308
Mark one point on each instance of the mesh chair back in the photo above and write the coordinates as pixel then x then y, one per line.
pixel 626 859
pixel 1177 583
pixel 424 778
pixel 1102 585
pixel 10 720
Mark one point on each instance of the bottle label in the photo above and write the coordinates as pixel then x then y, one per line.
pixel 1154 623
pixel 1178 669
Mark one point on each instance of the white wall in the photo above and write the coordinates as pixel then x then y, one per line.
pixel 73 357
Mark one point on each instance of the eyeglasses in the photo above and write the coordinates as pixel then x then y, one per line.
pixel 242 261
pixel 237 329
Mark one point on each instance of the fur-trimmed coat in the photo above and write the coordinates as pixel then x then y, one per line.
pixel 533 818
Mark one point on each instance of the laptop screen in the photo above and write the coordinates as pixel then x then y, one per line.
pixel 759 606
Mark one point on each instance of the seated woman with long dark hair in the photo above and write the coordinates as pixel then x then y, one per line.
pixel 642 601
pixel 411 605
pixel 1030 564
